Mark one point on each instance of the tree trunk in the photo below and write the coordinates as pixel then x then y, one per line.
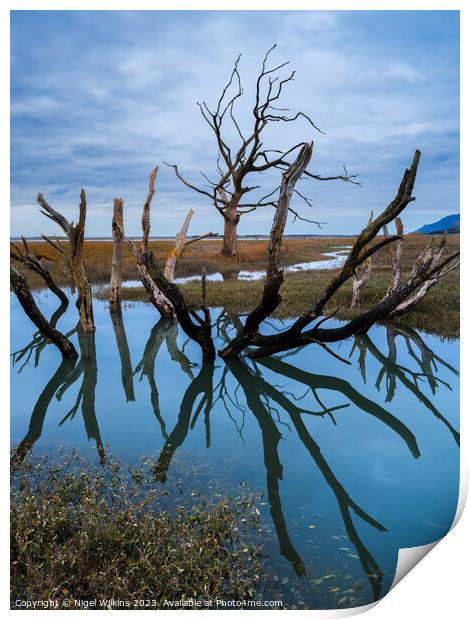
pixel 396 256
pixel 84 295
pixel 231 219
pixel 274 276
pixel 23 293
pixel 200 331
pixel 158 299
pixel 360 278
pixel 178 250
pixel 76 236
pixel 116 265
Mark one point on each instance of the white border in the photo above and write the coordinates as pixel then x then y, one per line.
pixel 439 586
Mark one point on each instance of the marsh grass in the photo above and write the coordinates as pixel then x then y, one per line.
pixel 82 532
pixel 438 313
pixel 203 254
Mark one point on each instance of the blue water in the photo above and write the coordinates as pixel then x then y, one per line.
pixel 354 461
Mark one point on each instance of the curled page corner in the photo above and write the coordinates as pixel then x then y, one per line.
pixel 409 557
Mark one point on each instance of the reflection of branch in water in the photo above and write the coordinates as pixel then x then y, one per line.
pixel 337 384
pixel 40 410
pixel 202 384
pixel 88 370
pixel 224 395
pixel 165 330
pixel 271 437
pixel 146 366
pixel 429 361
pixel 38 342
pixel 177 355
pixel 346 504
pixel 259 385
pixel 401 373
pixel 124 354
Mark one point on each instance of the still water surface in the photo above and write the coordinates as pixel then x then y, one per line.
pixel 354 461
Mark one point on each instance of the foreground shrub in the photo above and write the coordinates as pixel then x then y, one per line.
pixel 86 533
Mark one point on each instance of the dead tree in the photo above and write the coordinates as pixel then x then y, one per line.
pixel 116 263
pixel 274 276
pixel 34 263
pixel 76 237
pixel 428 267
pixel 433 254
pixel 196 327
pixel 158 299
pixel 361 277
pixel 359 280
pixel 181 245
pixel 165 295
pixel 66 264
pixel 227 193
pixel 396 255
pixel 23 293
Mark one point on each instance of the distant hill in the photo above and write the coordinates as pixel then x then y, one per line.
pixel 450 224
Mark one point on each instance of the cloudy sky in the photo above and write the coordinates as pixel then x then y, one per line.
pixel 99 98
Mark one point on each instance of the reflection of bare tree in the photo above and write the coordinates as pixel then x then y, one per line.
pixel 255 386
pixel 39 341
pixel 86 368
pixel 393 371
pixel 230 402
pixel 274 470
pixel 164 331
pixel 202 384
pixel 124 354
pixel 427 360
pixel 38 416
pixel 335 384
pixel 146 366
pixel 346 505
pixel 175 353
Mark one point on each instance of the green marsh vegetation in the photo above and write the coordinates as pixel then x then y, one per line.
pixel 85 532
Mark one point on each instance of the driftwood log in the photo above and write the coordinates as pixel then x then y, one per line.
pixel 76 237
pixel 23 293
